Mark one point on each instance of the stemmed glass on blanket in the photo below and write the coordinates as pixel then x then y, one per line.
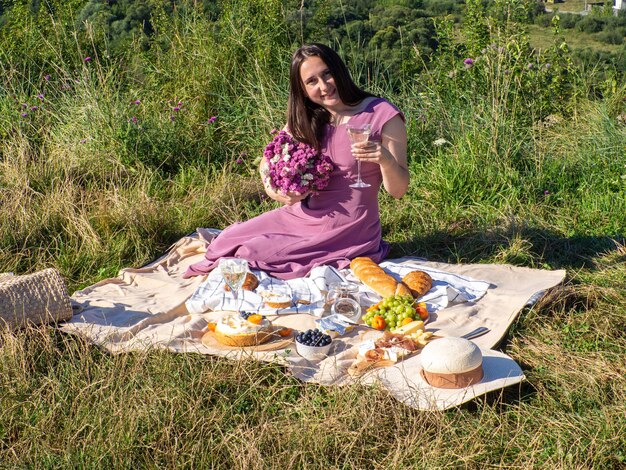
pixel 359 133
pixel 234 271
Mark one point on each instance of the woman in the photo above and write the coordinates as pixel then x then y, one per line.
pixel 338 223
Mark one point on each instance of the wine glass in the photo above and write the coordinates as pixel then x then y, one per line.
pixel 359 133
pixel 234 271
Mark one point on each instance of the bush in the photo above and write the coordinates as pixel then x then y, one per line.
pixel 569 21
pixel 544 20
pixel 610 37
pixel 590 24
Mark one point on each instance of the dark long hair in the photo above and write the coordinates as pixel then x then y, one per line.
pixel 306 119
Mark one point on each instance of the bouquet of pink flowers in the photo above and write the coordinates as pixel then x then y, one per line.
pixel 296 167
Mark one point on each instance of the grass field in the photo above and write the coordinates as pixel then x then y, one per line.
pixel 568 6
pixel 98 172
pixel 542 38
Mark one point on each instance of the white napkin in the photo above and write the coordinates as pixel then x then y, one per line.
pixel 447 288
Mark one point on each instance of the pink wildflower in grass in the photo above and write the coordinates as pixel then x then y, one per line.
pixel 172 118
pixel 46 78
pixel 212 119
pixel 87 59
pixel 82 141
pixel 136 102
pixel 24 114
pixel 175 109
pixel 133 120
pixel 34 108
pixel 40 96
pixel 468 62
pixel 296 167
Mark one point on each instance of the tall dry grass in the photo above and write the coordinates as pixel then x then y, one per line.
pixel 86 189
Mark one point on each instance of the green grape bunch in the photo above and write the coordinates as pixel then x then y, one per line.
pixel 395 310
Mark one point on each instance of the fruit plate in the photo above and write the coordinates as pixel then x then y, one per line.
pixel 275 343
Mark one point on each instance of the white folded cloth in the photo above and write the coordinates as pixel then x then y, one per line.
pixel 308 293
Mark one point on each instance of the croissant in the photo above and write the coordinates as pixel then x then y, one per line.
pixel 250 283
pixel 374 277
pixel 419 282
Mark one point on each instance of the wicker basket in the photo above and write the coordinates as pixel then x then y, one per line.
pixel 35 298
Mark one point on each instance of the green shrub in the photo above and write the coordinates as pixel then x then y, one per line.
pixel 590 24
pixel 611 37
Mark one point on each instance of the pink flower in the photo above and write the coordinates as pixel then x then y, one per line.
pixel 212 119
pixel 294 166
pixel 87 59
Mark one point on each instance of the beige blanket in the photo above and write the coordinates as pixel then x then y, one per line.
pixel 145 307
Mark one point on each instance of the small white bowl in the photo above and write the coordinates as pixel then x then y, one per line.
pixel 313 352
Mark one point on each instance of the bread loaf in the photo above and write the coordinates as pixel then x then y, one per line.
pixel 374 277
pixel 419 282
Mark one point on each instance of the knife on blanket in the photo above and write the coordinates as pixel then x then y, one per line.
pixel 480 331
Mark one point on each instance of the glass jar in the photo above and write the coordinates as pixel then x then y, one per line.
pixel 344 290
pixel 347 307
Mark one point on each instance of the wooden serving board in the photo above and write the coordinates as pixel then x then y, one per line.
pixel 360 366
pixel 275 343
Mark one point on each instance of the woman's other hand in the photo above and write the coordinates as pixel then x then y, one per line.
pixel 288 199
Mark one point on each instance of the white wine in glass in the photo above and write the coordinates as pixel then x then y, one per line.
pixel 359 133
pixel 234 271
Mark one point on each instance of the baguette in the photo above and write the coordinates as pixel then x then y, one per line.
pixel 374 277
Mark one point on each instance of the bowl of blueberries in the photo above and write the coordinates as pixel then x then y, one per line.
pixel 313 344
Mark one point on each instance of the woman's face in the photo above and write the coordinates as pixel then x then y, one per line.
pixel 319 83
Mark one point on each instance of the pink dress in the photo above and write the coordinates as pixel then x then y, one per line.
pixel 329 228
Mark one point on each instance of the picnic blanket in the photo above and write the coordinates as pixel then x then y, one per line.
pixel 153 306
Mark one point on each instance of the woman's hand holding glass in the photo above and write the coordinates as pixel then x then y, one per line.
pixel 359 134
pixel 371 151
